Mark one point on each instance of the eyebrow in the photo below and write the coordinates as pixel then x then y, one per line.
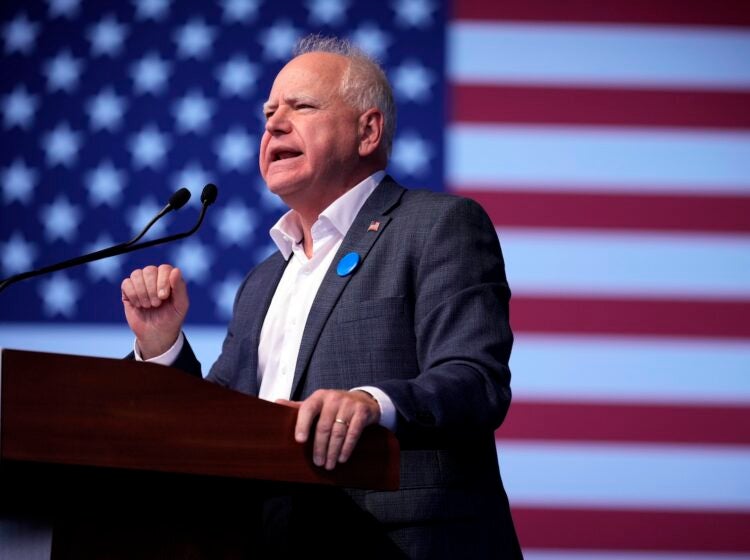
pixel 290 100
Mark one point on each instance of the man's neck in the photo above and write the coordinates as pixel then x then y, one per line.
pixel 308 218
pixel 309 214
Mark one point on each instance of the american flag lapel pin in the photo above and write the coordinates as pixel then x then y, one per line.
pixel 374 226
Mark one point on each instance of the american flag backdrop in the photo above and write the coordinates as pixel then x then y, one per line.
pixel 609 142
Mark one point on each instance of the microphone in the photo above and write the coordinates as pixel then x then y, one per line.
pixel 209 194
pixel 176 201
pixel 208 197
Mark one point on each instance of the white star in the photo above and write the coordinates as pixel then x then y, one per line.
pixel 278 40
pixel 63 72
pixel 65 8
pixel 413 13
pixel 411 154
pixel 192 112
pixel 235 223
pixel 412 81
pixel 18 182
pixel 59 294
pixel 327 12
pixel 104 269
pixel 151 9
pixel 107 36
pixel 60 219
pixel 61 145
pixel 105 184
pixel 139 215
pixel 240 11
pixel 224 293
pixel 194 39
pixel 19 107
pixel 150 74
pixel 194 259
pixel 372 40
pixel 20 35
pixel 17 255
pixel 149 147
pixel 235 149
pixel 237 76
pixel 105 110
pixel 194 178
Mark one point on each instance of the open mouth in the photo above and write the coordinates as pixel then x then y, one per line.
pixel 285 155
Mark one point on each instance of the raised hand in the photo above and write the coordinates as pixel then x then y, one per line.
pixel 155 302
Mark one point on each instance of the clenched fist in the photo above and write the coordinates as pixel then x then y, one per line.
pixel 156 302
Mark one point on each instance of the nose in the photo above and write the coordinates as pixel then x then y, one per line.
pixel 278 122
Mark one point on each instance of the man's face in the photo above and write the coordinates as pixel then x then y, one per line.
pixel 310 144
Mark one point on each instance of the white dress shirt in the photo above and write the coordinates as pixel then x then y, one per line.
pixel 284 324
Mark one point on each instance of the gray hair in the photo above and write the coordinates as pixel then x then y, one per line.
pixel 364 85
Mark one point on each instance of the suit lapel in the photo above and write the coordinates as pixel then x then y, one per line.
pixel 359 239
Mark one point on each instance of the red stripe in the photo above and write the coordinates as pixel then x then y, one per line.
pixel 730 214
pixel 589 529
pixel 650 317
pixel 579 421
pixel 697 12
pixel 600 106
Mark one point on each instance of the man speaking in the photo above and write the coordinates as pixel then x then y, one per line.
pixel 382 305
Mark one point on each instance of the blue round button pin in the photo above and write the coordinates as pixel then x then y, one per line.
pixel 347 264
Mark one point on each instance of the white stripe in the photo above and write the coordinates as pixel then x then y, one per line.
pixel 634 55
pixel 588 157
pixel 108 341
pixel 626 476
pixel 583 262
pixel 628 369
pixel 543 554
pixel 545 367
pixel 489 184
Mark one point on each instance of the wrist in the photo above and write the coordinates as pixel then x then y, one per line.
pixel 386 408
pixel 372 402
pixel 151 348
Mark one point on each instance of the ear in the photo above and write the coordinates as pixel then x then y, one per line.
pixel 370 131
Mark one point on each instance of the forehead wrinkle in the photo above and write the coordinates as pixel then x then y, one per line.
pixel 300 98
pixel 291 100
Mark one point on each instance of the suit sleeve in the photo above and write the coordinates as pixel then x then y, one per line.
pixel 462 329
pixel 185 360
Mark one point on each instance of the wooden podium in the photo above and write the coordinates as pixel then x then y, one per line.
pixel 127 440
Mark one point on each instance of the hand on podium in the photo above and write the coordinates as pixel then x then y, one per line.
pixel 341 417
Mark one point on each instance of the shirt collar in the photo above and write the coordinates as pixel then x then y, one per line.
pixel 287 232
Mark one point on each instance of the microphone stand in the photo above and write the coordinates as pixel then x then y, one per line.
pixel 120 249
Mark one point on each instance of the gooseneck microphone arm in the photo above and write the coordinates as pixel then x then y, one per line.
pixel 175 202
pixel 208 197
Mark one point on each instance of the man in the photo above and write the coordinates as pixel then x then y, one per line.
pixel 382 305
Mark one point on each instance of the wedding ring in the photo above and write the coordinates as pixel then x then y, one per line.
pixel 341 421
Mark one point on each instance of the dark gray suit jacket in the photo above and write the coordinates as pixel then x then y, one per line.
pixel 425 318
